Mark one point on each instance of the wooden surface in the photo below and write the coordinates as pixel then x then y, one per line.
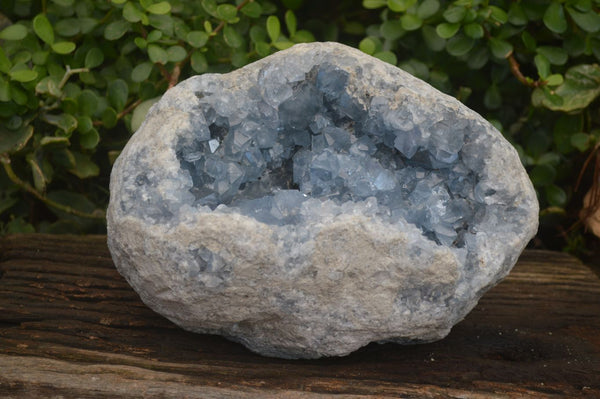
pixel 71 327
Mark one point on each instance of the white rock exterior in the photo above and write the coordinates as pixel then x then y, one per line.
pixel 384 209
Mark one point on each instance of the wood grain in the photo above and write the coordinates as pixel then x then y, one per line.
pixel 71 327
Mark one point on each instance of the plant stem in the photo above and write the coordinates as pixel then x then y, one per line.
pixel 68 73
pixel 222 24
pixel 5 160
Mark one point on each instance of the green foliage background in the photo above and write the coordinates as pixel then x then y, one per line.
pixel 77 77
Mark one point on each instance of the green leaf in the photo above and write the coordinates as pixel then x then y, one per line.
pixel 498 15
pixel 556 55
pixel 39 179
pixel 115 30
pixel 410 22
pixel 459 45
pixel 555 80
pixel 4 89
pixel 447 30
pixel 197 38
pixel 400 5
pixel 139 113
pixel 543 65
pixel 67 123
pixel 556 196
pixel 232 37
pixel 273 27
pixel 581 86
pixel 140 42
pixel 473 30
pixel 63 47
pixel 500 48
pixel 19 226
pixel 87 102
pixel 54 142
pixel 549 157
pixel 94 58
pixel 159 8
pixel 5 63
pixel 367 45
pixel 117 93
pixel 14 140
pixel 372 4
pixel 554 18
pixel 154 36
pixel 391 30
pixel 432 39
pixel 283 44
pixel 564 127
pixel 84 124
pixel 588 21
pixel 157 54
pixel 210 6
pixel 67 27
pixel 454 14
pixel 262 49
pixel 86 25
pixel 542 175
pixel 387 56
pixel 492 98
pixel 516 15
pixel 258 34
pixel 303 36
pixel 74 201
pixel 253 9
pixel 89 139
pixel 141 72
pixel 132 13
pixel 23 75
pixel 581 141
pixel 428 8
pixel 109 118
pixel 43 28
pixel 528 41
pixel 226 12
pixel 84 167
pixel 176 53
pixel 290 22
pixel 13 32
pixel 198 62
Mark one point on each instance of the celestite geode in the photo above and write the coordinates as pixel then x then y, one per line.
pixel 315 201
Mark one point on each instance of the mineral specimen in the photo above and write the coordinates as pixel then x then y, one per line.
pixel 315 201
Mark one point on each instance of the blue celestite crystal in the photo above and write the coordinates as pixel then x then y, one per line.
pixel 315 201
pixel 327 144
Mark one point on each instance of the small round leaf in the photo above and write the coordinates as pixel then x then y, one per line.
pixel 63 47
pixel 94 58
pixel 447 30
pixel 197 38
pixel 141 72
pixel 43 28
pixel 273 27
pixel 13 32
pixel 159 8
pixel 157 54
pixel 115 30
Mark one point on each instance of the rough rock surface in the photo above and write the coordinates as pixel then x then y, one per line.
pixel 315 201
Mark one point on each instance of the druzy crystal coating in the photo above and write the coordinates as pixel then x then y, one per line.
pixel 310 141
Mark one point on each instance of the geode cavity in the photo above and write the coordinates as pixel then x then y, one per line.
pixel 315 201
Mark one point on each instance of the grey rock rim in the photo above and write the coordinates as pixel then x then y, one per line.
pixel 350 261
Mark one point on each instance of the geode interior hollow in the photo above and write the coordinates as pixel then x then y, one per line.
pixel 315 201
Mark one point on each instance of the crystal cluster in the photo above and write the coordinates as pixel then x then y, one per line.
pixel 260 173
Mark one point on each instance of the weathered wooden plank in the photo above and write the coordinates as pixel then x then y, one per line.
pixel 71 326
